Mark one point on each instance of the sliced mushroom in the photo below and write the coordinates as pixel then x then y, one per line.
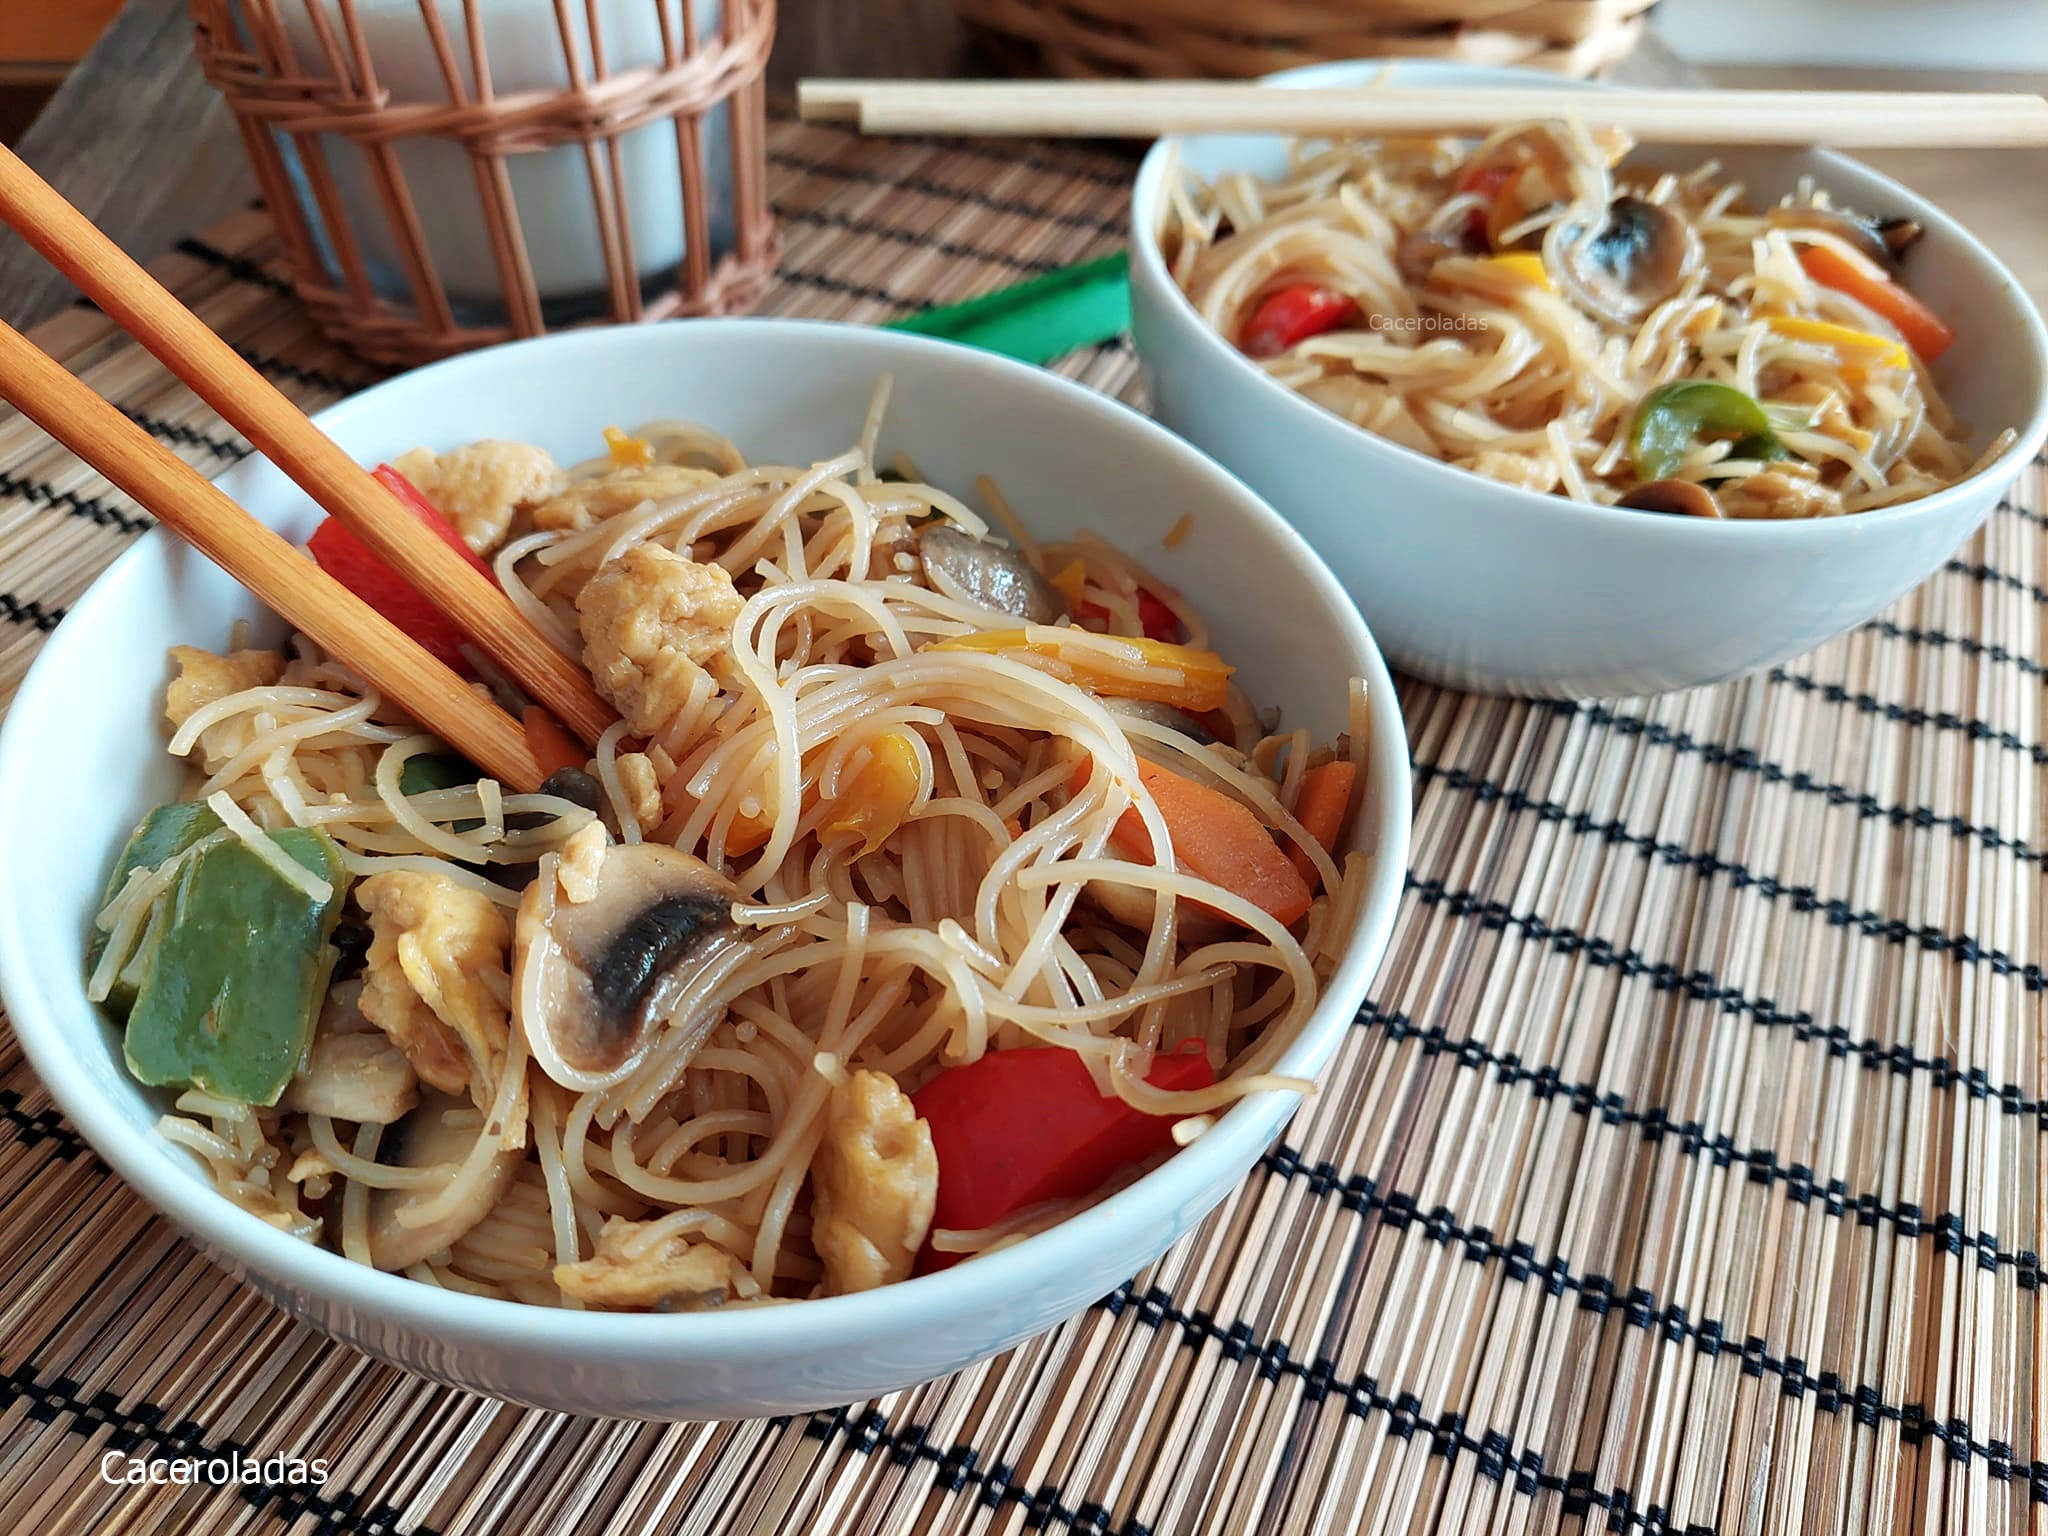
pixel 429 1138
pixel 594 980
pixel 1687 498
pixel 1634 259
pixel 991 574
pixel 1882 240
pixel 1163 715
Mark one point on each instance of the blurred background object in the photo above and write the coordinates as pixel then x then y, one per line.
pixel 1175 38
pixel 138 139
pixel 446 174
pixel 40 41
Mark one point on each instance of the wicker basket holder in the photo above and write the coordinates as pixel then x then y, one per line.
pixel 445 174
pixel 1237 39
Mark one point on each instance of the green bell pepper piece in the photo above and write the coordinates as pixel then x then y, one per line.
pixel 159 837
pixel 232 988
pixel 1672 417
pixel 426 772
pixel 429 771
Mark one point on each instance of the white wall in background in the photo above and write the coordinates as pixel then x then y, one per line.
pixel 1880 34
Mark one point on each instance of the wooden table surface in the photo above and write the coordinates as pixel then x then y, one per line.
pixel 137 139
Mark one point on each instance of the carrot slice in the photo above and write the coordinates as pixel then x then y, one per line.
pixel 1925 331
pixel 1215 838
pixel 550 742
pixel 1320 805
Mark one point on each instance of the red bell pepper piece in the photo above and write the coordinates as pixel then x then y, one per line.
pixel 352 563
pixel 1154 617
pixel 1485 182
pixel 1021 1127
pixel 1291 315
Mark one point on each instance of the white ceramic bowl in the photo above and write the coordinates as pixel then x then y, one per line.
pixel 82 757
pixel 1482 585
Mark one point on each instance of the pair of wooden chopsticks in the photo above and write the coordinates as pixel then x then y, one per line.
pixel 1149 109
pixel 286 580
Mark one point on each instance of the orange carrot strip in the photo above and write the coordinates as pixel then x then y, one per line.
pixel 1215 838
pixel 1925 331
pixel 1320 805
pixel 551 744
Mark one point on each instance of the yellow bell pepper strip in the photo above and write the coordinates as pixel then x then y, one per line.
pixel 1072 580
pixel 160 837
pixel 873 802
pixel 628 452
pixel 1845 339
pixel 1925 331
pixel 1672 417
pixel 238 963
pixel 1111 666
pixel 1526 265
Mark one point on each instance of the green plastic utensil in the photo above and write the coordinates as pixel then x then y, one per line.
pixel 1041 319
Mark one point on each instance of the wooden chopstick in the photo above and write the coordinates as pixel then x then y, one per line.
pixel 1149 109
pixel 285 579
pixel 280 430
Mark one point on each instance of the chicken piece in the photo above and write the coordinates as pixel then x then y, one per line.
pixel 873 1185
pixel 651 620
pixel 589 502
pixel 1524 470
pixel 1777 494
pixel 204 678
pixel 480 487
pixel 435 976
pixel 637 776
pixel 667 1274
pixel 582 858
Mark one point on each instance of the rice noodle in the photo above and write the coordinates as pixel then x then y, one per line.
pixel 975 923
pixel 1458 352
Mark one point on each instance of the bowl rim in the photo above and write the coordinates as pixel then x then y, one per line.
pixel 1148 266
pixel 251 1246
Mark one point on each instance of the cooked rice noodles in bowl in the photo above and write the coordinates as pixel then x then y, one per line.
pixel 890 800
pixel 1536 309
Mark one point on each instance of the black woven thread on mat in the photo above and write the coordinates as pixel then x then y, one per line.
pixel 1802 898
pixel 1913 715
pixel 19 610
pixel 1761 1165
pixel 32 1127
pixel 144 1428
pixel 1978 570
pixel 1704 987
pixel 1748 760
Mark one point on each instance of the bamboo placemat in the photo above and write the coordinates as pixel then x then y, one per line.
pixel 1682 1176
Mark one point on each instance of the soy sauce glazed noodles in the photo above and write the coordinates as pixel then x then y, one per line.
pixel 846 954
pixel 1536 309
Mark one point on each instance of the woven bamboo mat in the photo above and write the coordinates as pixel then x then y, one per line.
pixel 1683 1174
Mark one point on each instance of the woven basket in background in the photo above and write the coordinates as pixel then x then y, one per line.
pixel 445 174
pixel 1241 38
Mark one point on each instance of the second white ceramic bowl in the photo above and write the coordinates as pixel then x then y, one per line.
pixel 82 758
pixel 1481 585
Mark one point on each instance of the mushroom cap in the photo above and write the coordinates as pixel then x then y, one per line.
pixel 1687 498
pixel 1634 258
pixel 593 981
pixel 991 574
